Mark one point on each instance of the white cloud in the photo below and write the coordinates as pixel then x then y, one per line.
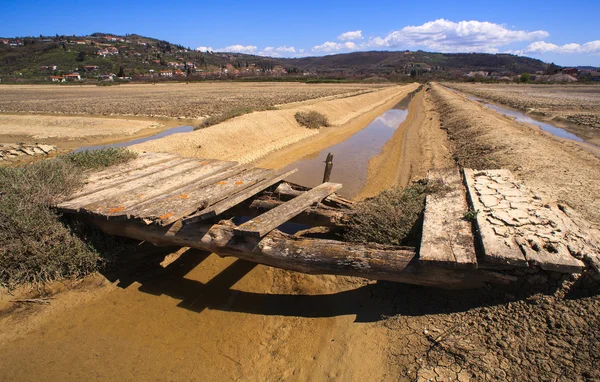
pixel 541 47
pixel 248 49
pixel 448 36
pixel 277 52
pixel 330 47
pixel 204 48
pixel 352 35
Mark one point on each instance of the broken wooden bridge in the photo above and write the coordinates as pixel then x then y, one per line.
pixel 241 211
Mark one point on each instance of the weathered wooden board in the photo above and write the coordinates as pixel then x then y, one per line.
pixel 142 161
pixel 447 238
pixel 186 201
pixel 121 203
pixel 224 205
pixel 265 223
pixel 497 250
pixel 116 179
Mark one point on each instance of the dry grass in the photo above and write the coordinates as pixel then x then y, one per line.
pixel 165 100
pixel 393 217
pixel 36 245
pixel 311 119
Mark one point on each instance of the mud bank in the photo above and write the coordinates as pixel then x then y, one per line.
pixel 558 169
pixel 253 136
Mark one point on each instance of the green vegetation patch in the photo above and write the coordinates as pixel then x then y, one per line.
pixel 393 217
pixel 311 119
pixel 216 119
pixel 37 244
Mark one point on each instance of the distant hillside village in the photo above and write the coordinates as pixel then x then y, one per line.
pixel 104 57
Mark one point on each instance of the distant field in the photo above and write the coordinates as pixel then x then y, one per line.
pixel 165 100
pixel 578 104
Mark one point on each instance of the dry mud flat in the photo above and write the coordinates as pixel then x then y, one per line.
pixel 575 104
pixel 193 100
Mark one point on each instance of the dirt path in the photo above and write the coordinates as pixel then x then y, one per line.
pixel 417 146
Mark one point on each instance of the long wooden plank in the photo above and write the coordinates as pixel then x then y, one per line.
pixel 183 202
pixel 117 179
pixel 232 201
pixel 121 203
pixel 447 238
pixel 76 204
pixel 265 223
pixel 142 161
pixel 496 251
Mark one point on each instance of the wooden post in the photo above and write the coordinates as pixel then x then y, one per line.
pixel 328 167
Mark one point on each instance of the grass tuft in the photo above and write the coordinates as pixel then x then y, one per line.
pixel 36 244
pixel 393 217
pixel 216 119
pixel 311 119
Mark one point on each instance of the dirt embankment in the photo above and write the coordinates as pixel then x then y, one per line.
pixel 558 169
pixel 252 136
pixel 417 146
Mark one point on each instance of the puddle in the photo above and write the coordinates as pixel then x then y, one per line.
pixel 164 133
pixel 351 157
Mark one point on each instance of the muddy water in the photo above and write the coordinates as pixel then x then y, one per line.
pixel 162 134
pixel 351 157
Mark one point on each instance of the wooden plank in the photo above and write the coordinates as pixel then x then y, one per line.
pixel 224 205
pixel 121 203
pixel 265 223
pixel 76 204
pixel 447 238
pixel 183 202
pixel 117 179
pixel 142 161
pixel 496 251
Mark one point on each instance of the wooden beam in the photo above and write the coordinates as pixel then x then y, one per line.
pixel 312 256
pixel 222 206
pixel 265 223
pixel 328 168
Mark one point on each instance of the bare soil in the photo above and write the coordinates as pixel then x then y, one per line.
pixel 193 316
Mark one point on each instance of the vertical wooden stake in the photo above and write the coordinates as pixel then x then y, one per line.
pixel 328 167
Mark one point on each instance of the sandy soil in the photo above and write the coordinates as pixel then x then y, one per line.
pixel 252 136
pixel 558 169
pixel 71 128
pixel 199 317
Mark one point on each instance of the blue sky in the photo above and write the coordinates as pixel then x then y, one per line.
pixel 553 31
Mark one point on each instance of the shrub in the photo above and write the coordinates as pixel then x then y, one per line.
pixel 36 245
pixel 216 119
pixel 393 217
pixel 311 119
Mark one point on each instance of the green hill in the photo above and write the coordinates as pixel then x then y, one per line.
pixel 139 57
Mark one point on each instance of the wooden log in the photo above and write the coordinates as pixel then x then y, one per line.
pixel 265 223
pixel 220 207
pixel 328 167
pixel 312 256
pixel 447 238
